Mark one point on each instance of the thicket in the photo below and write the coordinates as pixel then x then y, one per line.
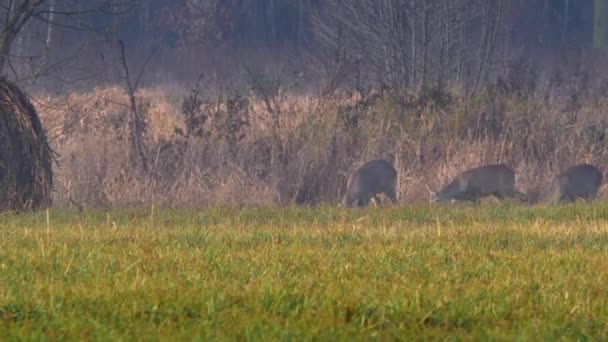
pixel 262 143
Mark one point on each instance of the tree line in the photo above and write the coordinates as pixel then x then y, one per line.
pixel 399 43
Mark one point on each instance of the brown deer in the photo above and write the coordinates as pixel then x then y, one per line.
pixel 497 180
pixel 368 180
pixel 579 181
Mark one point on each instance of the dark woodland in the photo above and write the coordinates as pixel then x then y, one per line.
pixel 397 43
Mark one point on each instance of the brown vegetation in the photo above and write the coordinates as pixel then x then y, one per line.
pixel 233 148
pixel 26 178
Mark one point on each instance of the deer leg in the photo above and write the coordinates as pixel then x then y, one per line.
pixel 362 203
pixel 472 199
pixel 513 193
pixel 523 197
pixel 376 200
pixel 592 196
pixel 499 195
pixel 391 195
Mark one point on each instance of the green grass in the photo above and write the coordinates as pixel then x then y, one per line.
pixel 498 272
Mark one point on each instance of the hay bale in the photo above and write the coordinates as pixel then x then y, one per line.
pixel 26 177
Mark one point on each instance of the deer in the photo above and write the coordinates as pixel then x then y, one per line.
pixel 471 185
pixel 578 181
pixel 368 180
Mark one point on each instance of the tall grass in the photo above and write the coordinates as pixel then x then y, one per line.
pixel 270 146
pixel 416 272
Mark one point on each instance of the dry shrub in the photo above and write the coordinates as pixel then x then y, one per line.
pixel 26 176
pixel 228 147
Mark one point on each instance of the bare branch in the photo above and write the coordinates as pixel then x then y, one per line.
pixel 137 121
pixel 143 67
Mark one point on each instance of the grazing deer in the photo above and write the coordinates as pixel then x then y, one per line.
pixel 368 180
pixel 471 185
pixel 579 181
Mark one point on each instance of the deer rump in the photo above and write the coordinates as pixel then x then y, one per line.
pixel 579 181
pixel 370 179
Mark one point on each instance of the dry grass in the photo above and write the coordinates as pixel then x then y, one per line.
pixel 301 148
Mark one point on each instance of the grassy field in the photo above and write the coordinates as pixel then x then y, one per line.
pixel 497 272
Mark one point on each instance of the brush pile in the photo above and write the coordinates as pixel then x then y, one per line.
pixel 26 178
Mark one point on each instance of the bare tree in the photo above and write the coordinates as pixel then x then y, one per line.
pixel 137 122
pixel 414 43
pixel 15 15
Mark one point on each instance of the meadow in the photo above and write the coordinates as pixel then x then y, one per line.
pixel 460 272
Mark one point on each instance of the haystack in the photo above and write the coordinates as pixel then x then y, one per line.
pixel 26 177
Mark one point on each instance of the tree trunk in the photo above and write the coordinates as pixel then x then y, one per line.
pixel 414 60
pixel 565 23
pixel 425 43
pixel 49 28
pixel 138 124
pixel 6 39
pixel 600 24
